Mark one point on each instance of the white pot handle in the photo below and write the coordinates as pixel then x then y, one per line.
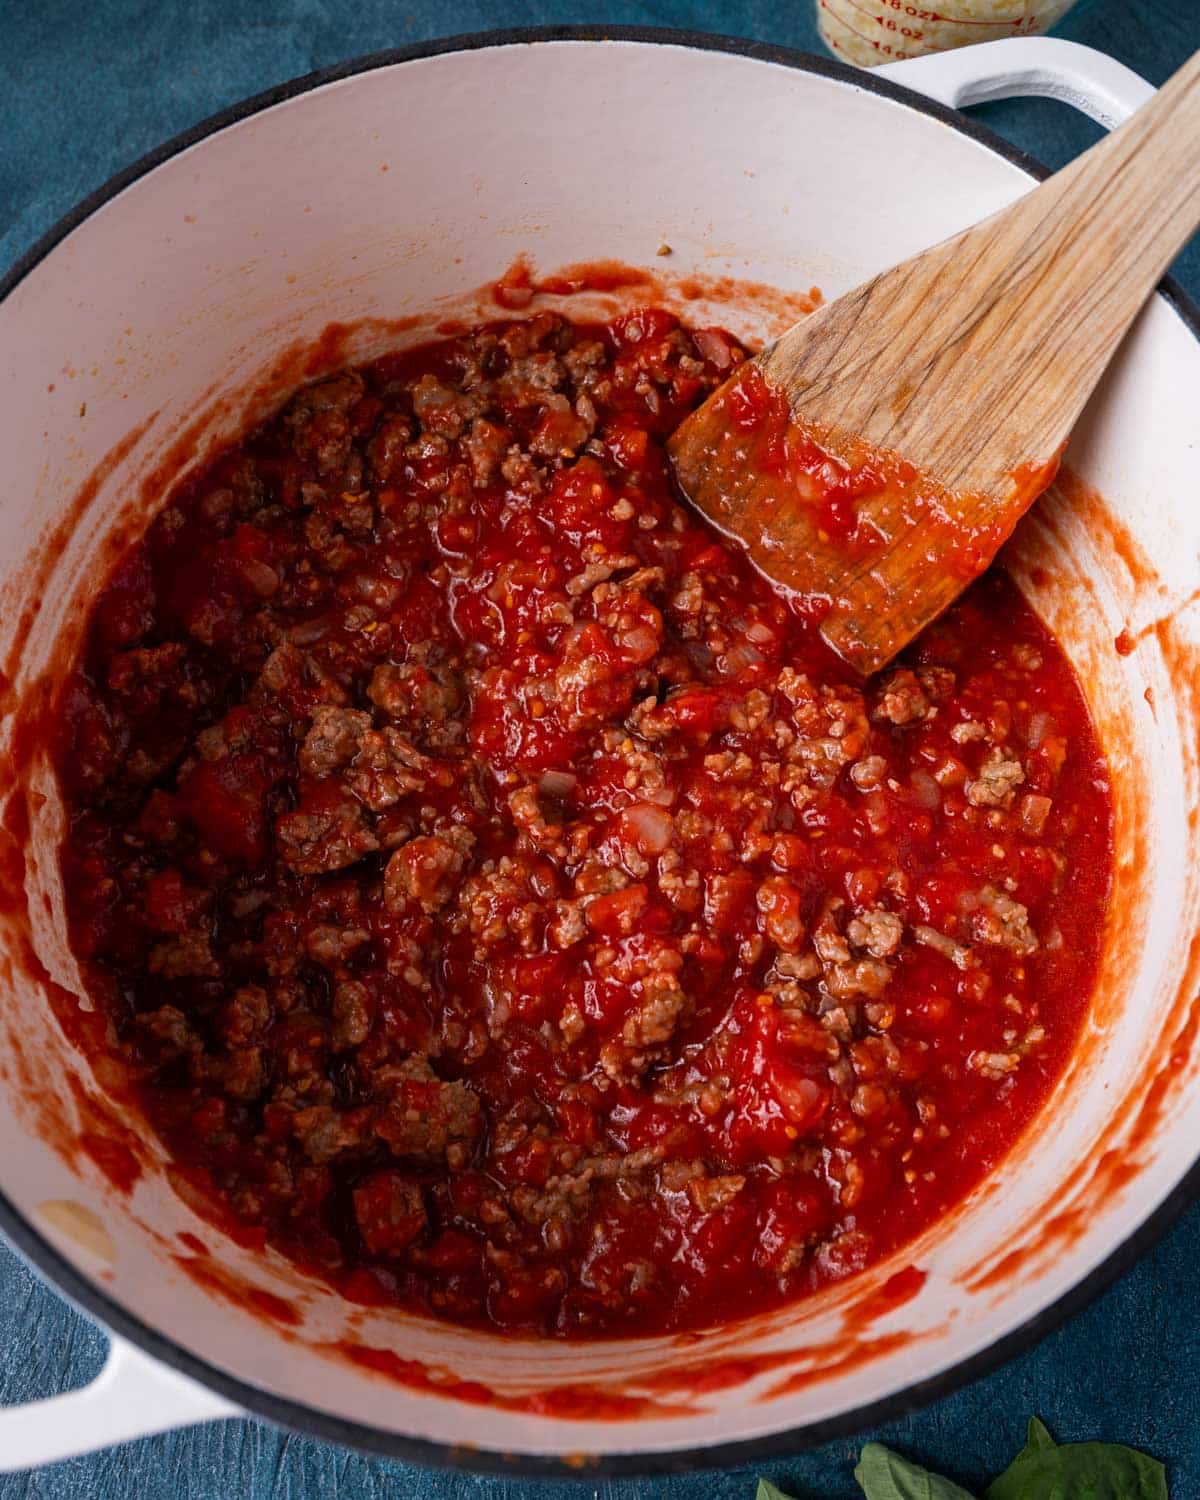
pixel 133 1396
pixel 1091 81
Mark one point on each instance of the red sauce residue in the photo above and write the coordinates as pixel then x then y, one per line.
pixel 596 276
pixel 32 580
pixel 568 1403
pixel 1121 1167
pixel 519 286
pixel 224 1283
pixel 104 1135
pixel 703 1376
pixel 713 1372
pixel 1107 531
pixel 117 1162
pixel 793 305
pixel 195 1186
pixel 94 1128
pixel 855 1357
pixel 897 1290
pixel 515 288
pixel 1126 643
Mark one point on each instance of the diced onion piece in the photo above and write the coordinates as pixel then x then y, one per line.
pixel 650 826
pixel 716 347
pixel 1033 811
pixel 1039 725
pixel 742 655
pixel 640 642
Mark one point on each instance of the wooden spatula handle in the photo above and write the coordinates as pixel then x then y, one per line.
pixel 1005 329
pixel 1145 178
pixel 1125 209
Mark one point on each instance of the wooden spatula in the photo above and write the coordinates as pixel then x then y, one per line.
pixel 944 390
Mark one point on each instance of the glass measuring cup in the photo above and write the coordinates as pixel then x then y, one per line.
pixel 872 32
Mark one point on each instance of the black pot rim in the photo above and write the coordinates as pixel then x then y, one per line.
pixel 88 1297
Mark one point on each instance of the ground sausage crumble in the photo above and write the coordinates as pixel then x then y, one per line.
pixel 508 907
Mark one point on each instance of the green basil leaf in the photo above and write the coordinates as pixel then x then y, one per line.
pixel 884 1475
pixel 768 1491
pixel 1037 1438
pixel 1080 1471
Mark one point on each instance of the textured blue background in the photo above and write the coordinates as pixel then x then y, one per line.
pixel 86 89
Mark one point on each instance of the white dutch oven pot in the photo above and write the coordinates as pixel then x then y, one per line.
pixel 185 279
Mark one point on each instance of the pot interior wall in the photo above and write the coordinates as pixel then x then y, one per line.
pixel 394 192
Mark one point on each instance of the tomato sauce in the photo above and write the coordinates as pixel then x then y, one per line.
pixel 507 904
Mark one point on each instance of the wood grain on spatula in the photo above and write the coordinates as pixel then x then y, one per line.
pixel 945 388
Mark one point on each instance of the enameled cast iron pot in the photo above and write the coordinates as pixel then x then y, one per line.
pixel 375 192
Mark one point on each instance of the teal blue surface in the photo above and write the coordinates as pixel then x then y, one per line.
pixel 86 89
